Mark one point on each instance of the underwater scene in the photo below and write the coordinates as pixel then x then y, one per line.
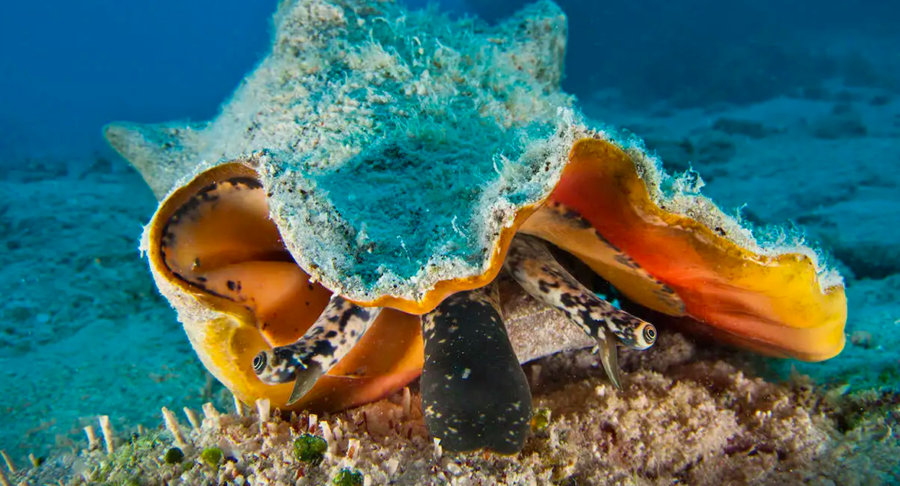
pixel 463 242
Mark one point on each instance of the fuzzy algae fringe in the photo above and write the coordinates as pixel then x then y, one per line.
pixel 686 416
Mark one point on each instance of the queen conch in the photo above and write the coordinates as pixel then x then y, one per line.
pixel 389 191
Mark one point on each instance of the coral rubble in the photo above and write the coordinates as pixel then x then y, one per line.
pixel 687 416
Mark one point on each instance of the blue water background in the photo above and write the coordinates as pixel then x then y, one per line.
pixel 66 68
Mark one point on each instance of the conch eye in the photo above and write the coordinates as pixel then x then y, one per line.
pixel 259 362
pixel 650 334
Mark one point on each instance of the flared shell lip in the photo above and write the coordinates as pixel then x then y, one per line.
pixel 330 394
pixel 434 296
pixel 817 340
pixel 167 208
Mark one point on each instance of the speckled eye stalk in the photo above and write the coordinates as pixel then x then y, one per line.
pixel 649 334
pixel 259 362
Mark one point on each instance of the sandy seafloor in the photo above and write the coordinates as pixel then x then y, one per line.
pixel 86 334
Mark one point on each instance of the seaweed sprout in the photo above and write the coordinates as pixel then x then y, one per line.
pixel 310 449
pixel 348 477
pixel 211 456
pixel 541 420
pixel 174 456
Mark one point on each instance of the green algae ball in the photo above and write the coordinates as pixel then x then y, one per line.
pixel 174 456
pixel 211 456
pixel 310 448
pixel 541 420
pixel 348 477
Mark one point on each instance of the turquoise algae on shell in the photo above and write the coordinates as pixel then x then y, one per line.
pixel 394 146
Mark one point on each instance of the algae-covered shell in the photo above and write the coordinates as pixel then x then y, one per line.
pixel 391 158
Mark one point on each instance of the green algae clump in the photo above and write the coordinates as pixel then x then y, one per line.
pixel 348 477
pixel 541 420
pixel 174 456
pixel 211 456
pixel 129 463
pixel 310 449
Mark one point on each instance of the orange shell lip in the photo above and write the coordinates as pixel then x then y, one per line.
pixel 210 232
pixel 168 208
pixel 772 304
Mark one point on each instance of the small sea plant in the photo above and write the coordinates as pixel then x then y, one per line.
pixel 348 477
pixel 310 449
pixel 541 420
pixel 212 456
pixel 174 456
